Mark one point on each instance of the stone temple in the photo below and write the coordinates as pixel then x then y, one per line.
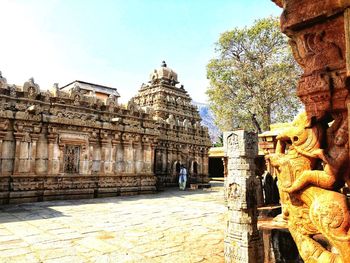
pixel 182 139
pixel 79 142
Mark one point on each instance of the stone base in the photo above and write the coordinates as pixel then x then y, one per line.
pixel 23 189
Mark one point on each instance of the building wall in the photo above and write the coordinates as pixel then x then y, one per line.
pixel 59 145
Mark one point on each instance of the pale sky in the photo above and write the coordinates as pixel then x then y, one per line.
pixel 117 42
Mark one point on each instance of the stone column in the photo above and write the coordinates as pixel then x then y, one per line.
pixel 138 160
pixel 104 157
pixel 164 160
pixel 147 158
pixel 119 165
pixel 41 155
pixel 52 138
pixel 94 158
pixel 205 167
pixel 2 135
pixel 153 153
pixel 170 161
pixel 35 138
pixel 242 240
pixel 128 153
pixel 61 157
pixel 18 138
pixel 114 156
pixel 8 154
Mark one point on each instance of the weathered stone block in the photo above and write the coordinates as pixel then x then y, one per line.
pixel 240 143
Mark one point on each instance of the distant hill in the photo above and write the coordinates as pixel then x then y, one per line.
pixel 208 120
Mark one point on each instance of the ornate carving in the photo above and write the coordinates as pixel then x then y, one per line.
pixel 71 159
pixel 31 89
pixel 312 157
pixel 306 193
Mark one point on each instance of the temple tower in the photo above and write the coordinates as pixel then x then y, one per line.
pixel 182 140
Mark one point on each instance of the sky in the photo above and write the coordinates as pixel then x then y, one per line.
pixel 117 43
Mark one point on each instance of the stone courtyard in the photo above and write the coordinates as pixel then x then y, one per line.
pixel 171 226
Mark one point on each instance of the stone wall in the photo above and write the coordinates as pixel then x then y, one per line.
pixel 58 144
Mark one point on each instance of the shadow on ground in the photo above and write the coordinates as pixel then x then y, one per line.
pixel 45 210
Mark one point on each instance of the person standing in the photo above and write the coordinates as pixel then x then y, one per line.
pixel 182 178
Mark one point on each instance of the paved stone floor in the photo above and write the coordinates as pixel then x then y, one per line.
pixel 171 226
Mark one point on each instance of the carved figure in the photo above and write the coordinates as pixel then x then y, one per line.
pixel 308 205
pixel 319 37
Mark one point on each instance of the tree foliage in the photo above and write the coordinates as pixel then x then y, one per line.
pixel 253 78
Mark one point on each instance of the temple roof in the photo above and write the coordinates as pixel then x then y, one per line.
pixel 92 87
pixel 164 73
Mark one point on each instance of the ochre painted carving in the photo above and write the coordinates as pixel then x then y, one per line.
pixel 312 155
pixel 311 204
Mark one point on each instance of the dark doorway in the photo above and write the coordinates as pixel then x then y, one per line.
pixel 177 168
pixel 216 167
pixel 195 168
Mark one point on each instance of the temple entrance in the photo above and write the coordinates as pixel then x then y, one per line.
pixel 216 167
pixel 195 168
pixel 177 168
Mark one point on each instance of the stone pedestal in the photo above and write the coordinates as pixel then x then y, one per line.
pixel 242 240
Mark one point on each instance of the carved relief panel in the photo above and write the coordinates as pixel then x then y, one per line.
pixel 71 159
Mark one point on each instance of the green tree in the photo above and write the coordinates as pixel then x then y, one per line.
pixel 253 78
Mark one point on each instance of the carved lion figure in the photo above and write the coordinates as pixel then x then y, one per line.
pixel 311 204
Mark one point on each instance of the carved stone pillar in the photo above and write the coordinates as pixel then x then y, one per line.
pixel 242 240
pixel 169 161
pixel 120 164
pixel 147 158
pixel 61 158
pixel 138 160
pixel 128 153
pixel 205 168
pixel 104 153
pixel 158 160
pixel 153 154
pixel 104 157
pixel 18 137
pixel 4 126
pixel 94 155
pixel 164 160
pixel 52 139
pixel 41 154
pixel 114 156
pixel 2 135
pixel 35 138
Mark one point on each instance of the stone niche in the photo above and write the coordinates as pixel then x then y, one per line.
pixel 73 149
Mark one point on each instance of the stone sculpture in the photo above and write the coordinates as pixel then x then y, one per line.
pixel 312 155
